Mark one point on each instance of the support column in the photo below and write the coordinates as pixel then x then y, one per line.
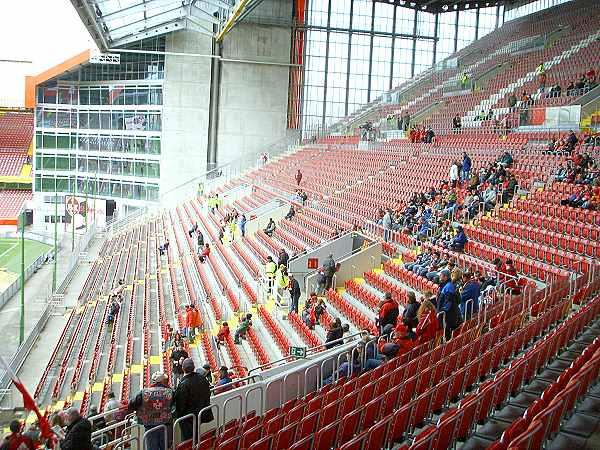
pixel 213 107
pixel 390 86
pixel 414 49
pixel 456 33
pixel 477 24
pixel 371 53
pixel 349 58
pixel 436 37
pixel 326 65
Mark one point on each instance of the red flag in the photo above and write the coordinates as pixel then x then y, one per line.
pixel 29 402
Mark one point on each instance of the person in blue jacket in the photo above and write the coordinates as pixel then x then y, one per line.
pixel 469 295
pixel 459 241
pixel 447 302
pixel 466 167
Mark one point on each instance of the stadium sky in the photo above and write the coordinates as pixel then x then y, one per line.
pixel 45 32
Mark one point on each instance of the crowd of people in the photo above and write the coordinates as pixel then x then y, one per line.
pixel 427 215
pixel 421 134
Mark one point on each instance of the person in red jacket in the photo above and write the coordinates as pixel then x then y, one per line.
pixel 428 324
pixel 15 440
pixel 510 278
pixel 388 312
pixel 205 253
pixel 298 177
pixel 196 320
pixel 223 333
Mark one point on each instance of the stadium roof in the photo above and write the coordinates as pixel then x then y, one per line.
pixel 440 6
pixel 114 23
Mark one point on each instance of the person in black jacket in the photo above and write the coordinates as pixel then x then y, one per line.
pixel 336 331
pixel 409 315
pixel 78 433
pixel 177 357
pixel 282 258
pixel 191 396
pixel 294 294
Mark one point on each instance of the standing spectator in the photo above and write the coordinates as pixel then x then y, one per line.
pixel 429 136
pixel 187 331
pixel 298 177
pixel 409 315
pixel 199 241
pixel 15 440
pixel 242 328
pixel 191 396
pixel 196 323
pixel 456 123
pixel 512 101
pixel 469 295
pixel 78 434
pixel 447 303
pixel 388 312
pixel 242 224
pixel 428 323
pixel 387 224
pixel 454 174
pixel 283 258
pixel 153 409
pixel 270 269
pixel 294 293
pixel 177 357
pixel 466 167
pixel 330 268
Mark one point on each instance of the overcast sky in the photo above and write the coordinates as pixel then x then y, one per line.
pixel 45 32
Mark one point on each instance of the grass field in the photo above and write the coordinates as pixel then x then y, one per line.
pixel 10 253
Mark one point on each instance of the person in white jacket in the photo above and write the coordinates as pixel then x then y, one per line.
pixel 454 174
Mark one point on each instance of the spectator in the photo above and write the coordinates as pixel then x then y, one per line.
pixel 111 404
pixel 571 141
pixel 388 312
pixel 320 308
pixel 459 241
pixel 469 295
pixel 456 124
pixel 242 224
pixel 330 269
pixel 428 325
pixel 321 281
pixel 153 409
pixel 454 174
pixel 78 435
pixel 308 312
pixel 282 281
pixel 291 213
pixel 509 278
pixel 283 258
pixel 242 328
pixel 298 177
pixel 447 302
pixel 512 101
pixel 206 373
pixel 177 357
pixel 191 396
pixel 429 136
pixel 294 294
pixel 270 229
pixel 205 253
pixel 16 440
pixel 223 333
pixel 466 167
pixel 409 315
pixel 351 367
pixel 270 269
pixel 386 222
pixel 334 334
pixel 224 377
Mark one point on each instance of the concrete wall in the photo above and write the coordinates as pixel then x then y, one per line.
pixel 185 110
pixel 253 98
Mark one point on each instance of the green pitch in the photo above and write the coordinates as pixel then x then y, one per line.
pixel 10 253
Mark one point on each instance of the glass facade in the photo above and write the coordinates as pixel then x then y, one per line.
pixel 98 128
pixel 358 49
pixel 530 8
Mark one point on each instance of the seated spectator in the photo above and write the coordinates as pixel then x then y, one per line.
pixel 469 295
pixel 555 91
pixel 571 141
pixel 422 260
pixel 456 124
pixel 270 229
pixel 224 377
pixel 561 173
pixel 223 333
pixel 512 101
pixel 509 278
pixel 308 312
pixel 205 253
pixel 242 328
pixel 351 367
pixel 459 241
pixel 489 198
pixel 320 309
pixel 506 160
pixel 429 136
pixel 334 334
pixel 432 271
pixel 388 312
pixel 291 213
pixel 402 341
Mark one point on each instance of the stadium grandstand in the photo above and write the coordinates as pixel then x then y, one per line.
pixel 306 224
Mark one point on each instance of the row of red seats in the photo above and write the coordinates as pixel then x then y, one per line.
pixel 306 334
pixel 351 312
